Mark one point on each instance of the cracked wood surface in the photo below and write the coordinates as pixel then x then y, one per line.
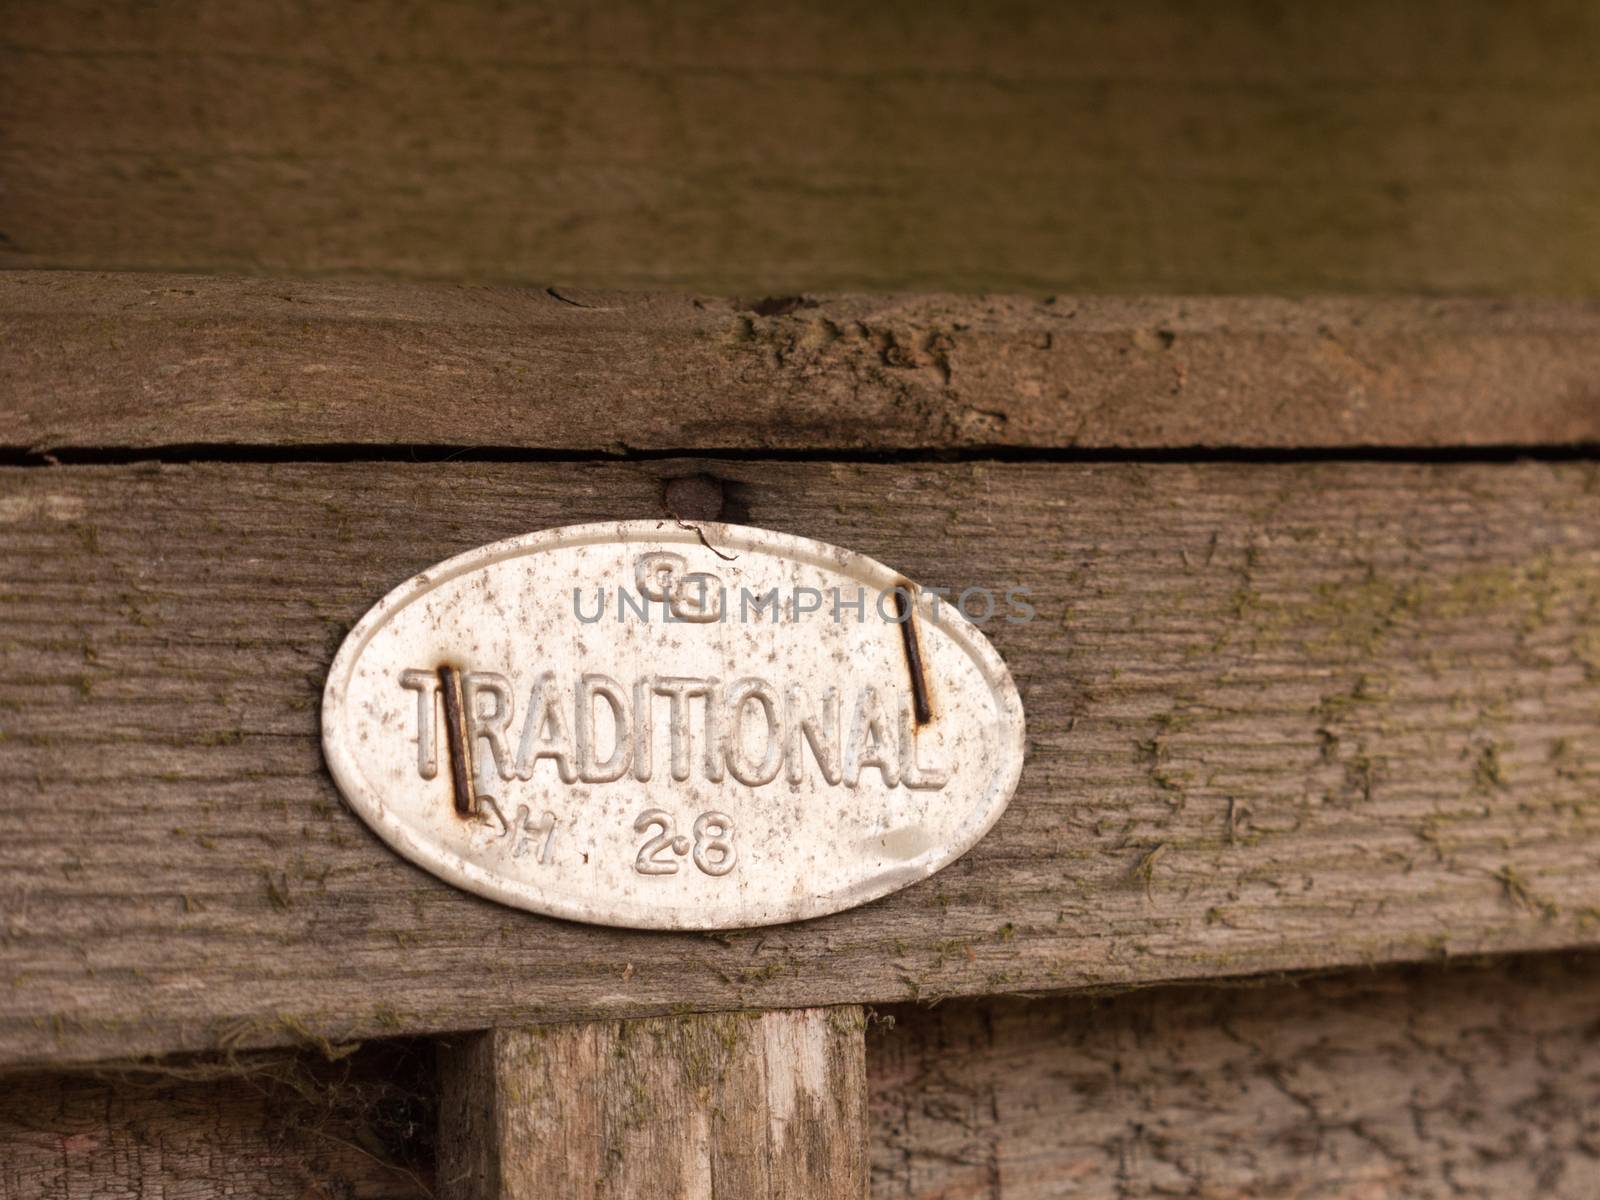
pixel 1457 1082
pixel 1279 717
pixel 1449 1084
pixel 770 1106
pixel 129 361
pixel 1153 145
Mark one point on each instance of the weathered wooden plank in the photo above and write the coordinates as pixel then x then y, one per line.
pixel 1415 1085
pixel 1279 717
pixel 137 361
pixel 281 1128
pixel 734 1104
pixel 1149 146
pixel 1396 1084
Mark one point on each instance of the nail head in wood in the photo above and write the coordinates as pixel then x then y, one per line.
pixel 695 498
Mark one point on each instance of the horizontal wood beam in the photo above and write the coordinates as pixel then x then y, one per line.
pixel 770 1106
pixel 138 361
pixel 1280 717
pixel 1152 145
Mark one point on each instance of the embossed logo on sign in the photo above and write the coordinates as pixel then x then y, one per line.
pixel 620 724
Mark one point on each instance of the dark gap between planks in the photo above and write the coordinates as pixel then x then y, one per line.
pixel 435 454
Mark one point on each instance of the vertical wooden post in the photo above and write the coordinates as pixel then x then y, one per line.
pixel 748 1105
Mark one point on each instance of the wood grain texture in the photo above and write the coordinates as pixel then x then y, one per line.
pixel 1458 1084
pixel 279 1128
pixel 138 361
pixel 1279 717
pixel 770 1106
pixel 1148 146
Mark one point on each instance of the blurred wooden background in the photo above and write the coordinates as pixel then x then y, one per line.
pixel 1022 145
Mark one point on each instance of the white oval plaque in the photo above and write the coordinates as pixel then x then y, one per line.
pixel 618 724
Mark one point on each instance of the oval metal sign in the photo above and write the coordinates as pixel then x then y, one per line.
pixel 620 724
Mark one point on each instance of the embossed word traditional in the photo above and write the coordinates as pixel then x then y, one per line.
pixel 677 772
